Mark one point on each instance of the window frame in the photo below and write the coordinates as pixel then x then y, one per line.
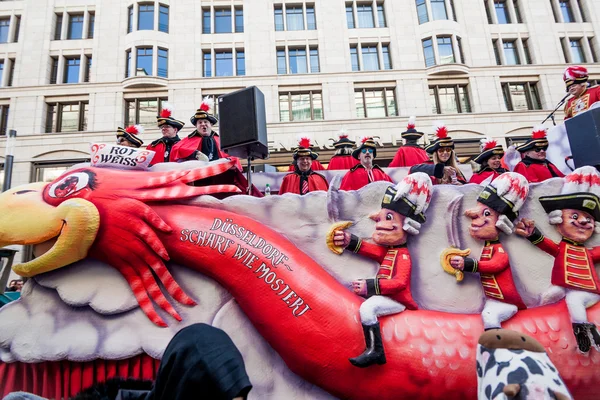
pixel 311 94
pixel 4 112
pixel 459 106
pixel 66 68
pixel 159 99
pixel 5 27
pixel 532 96
pixel 161 13
pixel 71 17
pixel 139 13
pixel 56 125
pixel 386 100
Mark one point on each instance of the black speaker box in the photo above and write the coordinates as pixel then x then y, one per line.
pixel 243 123
pixel 583 131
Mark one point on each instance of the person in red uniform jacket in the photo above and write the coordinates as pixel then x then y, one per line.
pixel 128 137
pixel 444 167
pixel 411 153
pixel 169 128
pixel 303 180
pixel 304 142
pixel 497 207
pixel 402 213
pixel 534 165
pixel 365 172
pixel 576 80
pixel 203 139
pixel 342 159
pixel 575 213
pixel 490 160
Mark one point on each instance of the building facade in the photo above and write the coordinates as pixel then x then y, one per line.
pixel 71 72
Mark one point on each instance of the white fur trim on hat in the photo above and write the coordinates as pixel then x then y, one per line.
pixel 512 187
pixel 417 189
pixel 583 179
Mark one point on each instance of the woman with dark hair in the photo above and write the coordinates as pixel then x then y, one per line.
pixel 490 161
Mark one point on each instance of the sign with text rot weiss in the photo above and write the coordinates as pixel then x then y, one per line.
pixel 123 157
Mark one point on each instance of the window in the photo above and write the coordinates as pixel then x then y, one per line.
pixel 526 52
pixel 460 50
pixel 449 99
pixel 582 11
pixel 354 58
pixel 365 16
pixel 53 70
pixel 66 117
pixel 295 15
pixel 17 28
pixel 3 122
pixel 518 17
pixel 143 111
pixel 387 60
pixel 1 70
pixel 145 17
pixel 129 19
pixel 128 64
pixel 223 63
pixel 88 68
pixel 381 16
pixel 48 172
pixel 71 72
pixel 311 22
pixel 297 60
pixel 75 26
pixel 360 14
pixel 511 53
pixel 577 54
pixel 11 72
pixel 300 106
pixel 239 19
pixel 502 14
pixel 521 96
pixel 222 20
pixel 240 63
pixel 445 50
pixel 163 18
pixel 566 11
pixel 294 18
pixel 163 62
pixel 4 29
pixel 207 61
pixel 370 59
pixel 428 52
pixel 91 23
pixel 143 61
pixel 422 11
pixel 594 53
pixel 438 9
pixel 279 26
pixel 58 27
pixel 206 20
pixel 350 16
pixel 453 9
pixel 375 103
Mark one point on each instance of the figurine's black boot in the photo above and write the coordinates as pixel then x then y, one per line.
pixel 374 353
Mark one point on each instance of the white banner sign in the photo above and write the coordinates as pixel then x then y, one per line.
pixel 115 156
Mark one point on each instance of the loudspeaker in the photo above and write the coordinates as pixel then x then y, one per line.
pixel 243 123
pixel 583 131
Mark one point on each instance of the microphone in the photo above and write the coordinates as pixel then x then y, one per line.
pixel 551 115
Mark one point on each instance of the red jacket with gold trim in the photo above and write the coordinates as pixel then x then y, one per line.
pixel 577 105
pixel 393 277
pixel 537 171
pixel 409 155
pixel 291 183
pixel 358 177
pixel 486 173
pixel 185 149
pixel 495 273
pixel 573 263
pixel 342 162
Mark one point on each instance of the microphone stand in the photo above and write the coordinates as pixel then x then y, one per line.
pixel 551 115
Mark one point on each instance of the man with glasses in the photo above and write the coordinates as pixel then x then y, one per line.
pixel 365 172
pixel 303 180
pixel 169 128
pixel 534 165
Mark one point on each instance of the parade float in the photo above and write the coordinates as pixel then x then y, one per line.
pixel 127 257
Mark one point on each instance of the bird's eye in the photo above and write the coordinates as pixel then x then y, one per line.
pixel 389 217
pixel 69 185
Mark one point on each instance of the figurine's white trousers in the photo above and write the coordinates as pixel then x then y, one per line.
pixel 376 306
pixel 495 312
pixel 577 303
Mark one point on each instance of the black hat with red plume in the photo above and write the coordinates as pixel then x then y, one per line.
pixel 442 139
pixel 538 140
pixel 489 148
pixel 205 111
pixel 411 133
pixel 130 134
pixel 304 149
pixel 366 143
pixel 166 118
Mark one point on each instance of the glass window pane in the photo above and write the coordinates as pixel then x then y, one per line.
pixel 91 23
pixel 205 21
pixel 239 20
pixel 279 19
pixel 517 11
pixel 535 97
pixel 1 69
pixel 294 18
pixel 163 19
pixel 502 12
pixel 284 108
pixel 583 11
pixel 84 117
pixel 433 103
pixel 354 59
pixel 148 110
pixel 301 107
pixel 240 63
pixel 129 19
pixel 445 50
pixel 527 53
pixel 511 55
pixel 163 62
pixel 422 11
pixel 130 112
pixel 51 118
pixel 281 63
pixel 438 9
pixel 69 118
pixel 314 60
pixel 144 61
pixel 88 68
pixel 297 61
pixel 370 58
pixel 578 57
pixel 317 106
pixel 428 52
pixel 311 22
pixel 518 97
pixel 381 16
pixel 565 9
pixel 127 63
pixel 71 70
pixel 146 17
pixel 57 28
pixel 75 26
pixel 463 97
pixel 391 103
pixel 387 60
pixel 365 16
pixel 375 103
pixel 447 100
pixel 222 20
pixel 350 17
pixel 223 63
pixel 359 104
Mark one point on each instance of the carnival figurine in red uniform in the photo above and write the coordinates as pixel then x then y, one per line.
pixel 128 137
pixel 575 213
pixel 306 143
pixel 402 213
pixel 490 160
pixel 169 128
pixel 342 159
pixel 497 207
pixel 443 169
pixel 576 80
pixel 411 153
pixel 303 180
pixel 534 166
pixel 365 172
